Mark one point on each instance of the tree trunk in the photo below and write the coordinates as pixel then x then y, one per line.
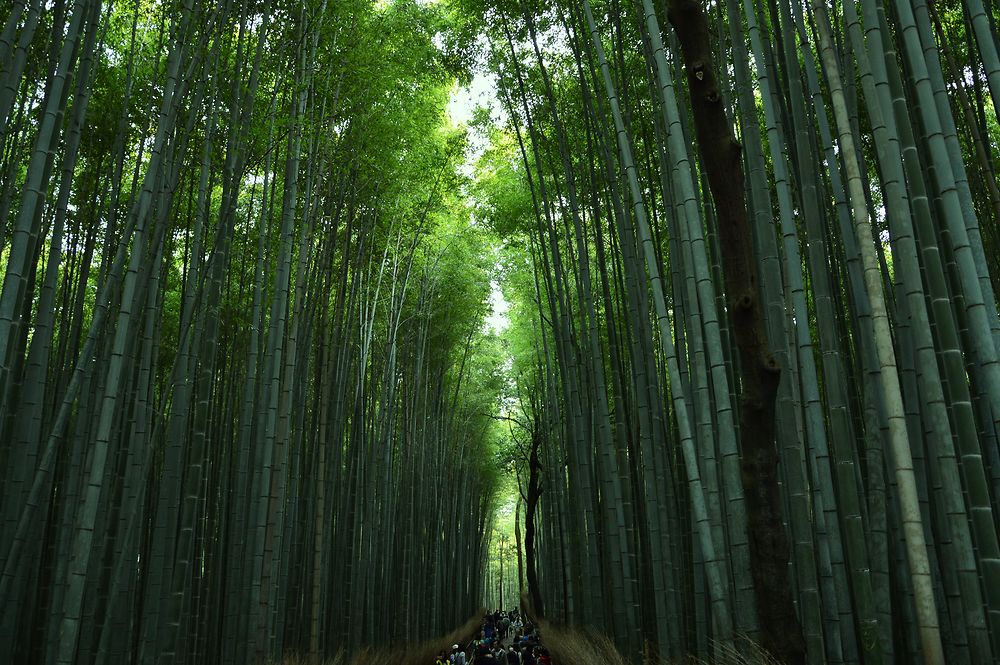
pixel 721 157
pixel 531 501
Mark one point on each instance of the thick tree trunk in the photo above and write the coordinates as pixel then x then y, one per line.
pixel 721 158
pixel 520 552
pixel 531 501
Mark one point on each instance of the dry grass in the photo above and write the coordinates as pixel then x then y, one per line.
pixel 567 646
pixel 571 646
pixel 415 654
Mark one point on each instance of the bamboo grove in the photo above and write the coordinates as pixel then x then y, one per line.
pixel 750 389
pixel 241 332
pixel 712 206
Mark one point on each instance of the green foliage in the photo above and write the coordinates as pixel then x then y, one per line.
pixel 313 335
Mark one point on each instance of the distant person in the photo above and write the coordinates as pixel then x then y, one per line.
pixel 484 656
pixel 457 657
pixel 512 656
pixel 527 658
pixel 441 659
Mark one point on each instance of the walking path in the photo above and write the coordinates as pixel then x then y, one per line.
pixel 504 639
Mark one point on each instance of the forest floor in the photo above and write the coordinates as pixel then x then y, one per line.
pixel 567 646
pixel 422 653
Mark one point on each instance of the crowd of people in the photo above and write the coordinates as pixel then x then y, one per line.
pixel 504 639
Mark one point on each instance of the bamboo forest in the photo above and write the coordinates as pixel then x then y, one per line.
pixel 333 330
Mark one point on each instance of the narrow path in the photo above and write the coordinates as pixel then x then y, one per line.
pixel 518 644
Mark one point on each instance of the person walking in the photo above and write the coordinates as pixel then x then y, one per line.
pixel 484 656
pixel 527 658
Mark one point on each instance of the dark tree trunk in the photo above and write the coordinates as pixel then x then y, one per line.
pixel 759 372
pixel 517 542
pixel 531 506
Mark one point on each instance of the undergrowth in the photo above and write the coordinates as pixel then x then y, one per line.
pixel 568 646
pixel 572 646
pixel 423 653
